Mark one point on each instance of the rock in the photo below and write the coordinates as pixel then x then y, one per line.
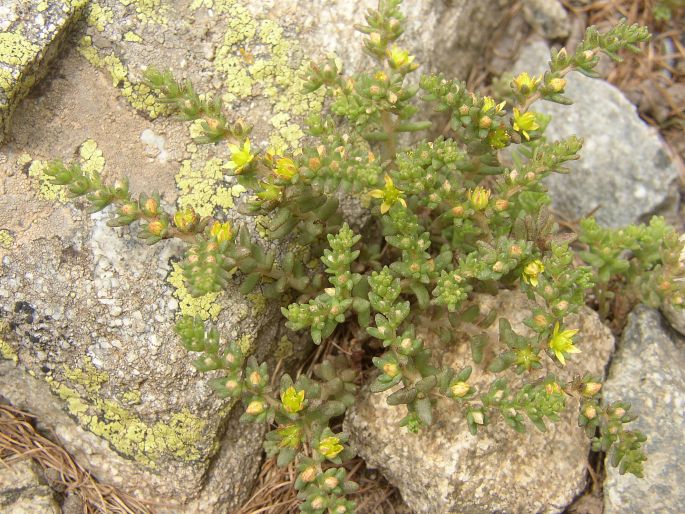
pixel 23 490
pixel 625 170
pixel 446 469
pixel 31 34
pixel 648 371
pixel 548 18
pixel 88 312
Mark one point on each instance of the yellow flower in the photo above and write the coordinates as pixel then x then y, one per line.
pixel 240 157
pixel 330 447
pixel 531 272
pixel 390 195
pixel 525 84
pixel 480 197
pixel 562 343
pixel 525 122
pixel 221 231
pixel 489 103
pixel 186 220
pixel 399 58
pixel 285 168
pixel 292 400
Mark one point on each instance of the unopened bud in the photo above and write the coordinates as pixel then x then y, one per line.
pixel 331 482
pixel 485 122
pixel 255 378
pixel 318 503
pixel 557 85
pixel 458 211
pixel 478 417
pixel 155 228
pixel 390 369
pixel 255 407
pixel 460 389
pixel 309 474
pixel 501 204
pixel 590 412
pixel 591 388
pixel 620 412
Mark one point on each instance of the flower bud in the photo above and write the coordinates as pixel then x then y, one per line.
pixel 590 412
pixel 479 198
pixel 591 388
pixel 557 85
pixel 156 228
pixel 391 369
pixel 460 389
pixel 255 407
pixel 221 232
pixel 501 204
pixel 309 474
pixel 478 417
pixel 255 378
pixel 331 482
pixel 186 220
pixel 318 503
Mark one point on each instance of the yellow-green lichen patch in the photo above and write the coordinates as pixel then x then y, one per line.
pixel 148 11
pixel 245 343
pixel 15 49
pixel 256 58
pixel 258 302
pixel 137 94
pixel 99 16
pixel 204 187
pixel 179 437
pixel 46 189
pixel 285 348
pixel 7 352
pixel 6 239
pixel 87 376
pixel 206 307
pixel 131 397
pixel 92 161
pixel 132 37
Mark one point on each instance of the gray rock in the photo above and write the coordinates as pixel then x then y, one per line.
pixel 88 311
pixel 446 469
pixel 675 316
pixel 625 170
pixel 548 18
pixel 648 370
pixel 31 34
pixel 23 490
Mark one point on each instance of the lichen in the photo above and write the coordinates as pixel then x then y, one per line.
pixel 91 160
pixel 179 437
pixel 206 307
pixel 99 16
pixel 284 349
pixel 15 49
pixel 7 352
pixel 257 58
pixel 87 376
pixel 131 397
pixel 148 11
pixel 258 302
pixel 137 94
pixel 132 37
pixel 245 343
pixel 6 239
pixel 46 189
pixel 204 186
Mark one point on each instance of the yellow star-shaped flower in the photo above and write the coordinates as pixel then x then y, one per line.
pixel 562 343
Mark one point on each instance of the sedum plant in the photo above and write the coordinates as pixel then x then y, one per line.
pixel 446 219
